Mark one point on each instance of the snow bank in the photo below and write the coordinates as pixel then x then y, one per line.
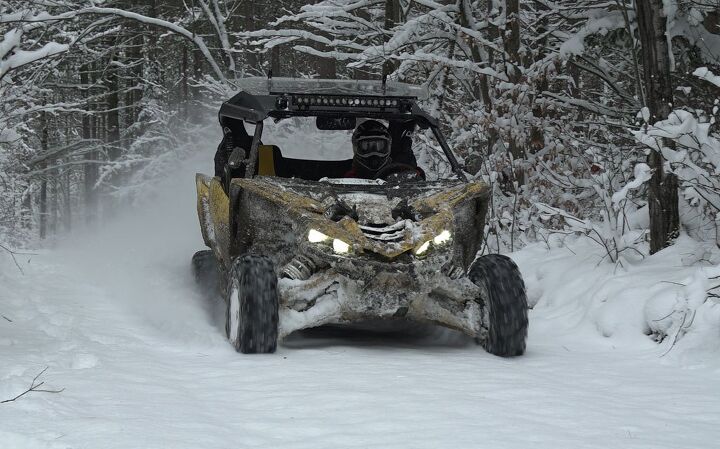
pixel 706 74
pixel 144 362
pixel 666 297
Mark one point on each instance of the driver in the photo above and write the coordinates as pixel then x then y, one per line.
pixel 372 146
pixel 371 150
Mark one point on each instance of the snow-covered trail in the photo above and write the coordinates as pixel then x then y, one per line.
pixel 143 361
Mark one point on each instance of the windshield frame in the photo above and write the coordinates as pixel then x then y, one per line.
pixel 254 109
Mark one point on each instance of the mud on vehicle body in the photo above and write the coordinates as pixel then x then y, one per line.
pixel 296 249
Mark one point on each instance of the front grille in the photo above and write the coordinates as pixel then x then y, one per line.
pixel 385 232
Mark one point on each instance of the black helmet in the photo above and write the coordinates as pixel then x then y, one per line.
pixel 371 145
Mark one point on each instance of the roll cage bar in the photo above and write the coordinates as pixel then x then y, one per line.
pixel 280 98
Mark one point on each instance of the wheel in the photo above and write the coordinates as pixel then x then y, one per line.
pixel 505 307
pixel 205 270
pixel 251 321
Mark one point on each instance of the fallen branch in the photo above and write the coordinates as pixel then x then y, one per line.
pixel 34 388
pixel 13 254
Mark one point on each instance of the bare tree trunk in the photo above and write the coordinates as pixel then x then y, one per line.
pixel 392 18
pixel 275 64
pixel 327 67
pixel 251 59
pixel 133 96
pixel 43 204
pixel 537 133
pixel 512 66
pixel 67 201
pixel 663 187
pixel 114 151
pixel 54 200
pixel 43 182
pixel 88 133
pixel 26 212
pixel 198 67
pixel 481 88
pixel 184 83
pixel 512 40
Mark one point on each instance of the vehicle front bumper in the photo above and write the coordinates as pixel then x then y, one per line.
pixel 353 291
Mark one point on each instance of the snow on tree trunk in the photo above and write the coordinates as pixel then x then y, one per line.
pixel 663 187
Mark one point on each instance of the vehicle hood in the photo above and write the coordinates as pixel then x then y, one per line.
pixel 385 219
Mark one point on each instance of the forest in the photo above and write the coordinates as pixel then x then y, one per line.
pixel 581 115
pixel 595 125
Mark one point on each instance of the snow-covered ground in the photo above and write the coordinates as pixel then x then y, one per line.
pixel 142 359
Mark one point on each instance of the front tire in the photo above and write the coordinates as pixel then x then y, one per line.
pixel 251 321
pixel 505 306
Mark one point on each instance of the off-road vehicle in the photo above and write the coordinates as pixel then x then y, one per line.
pixel 297 244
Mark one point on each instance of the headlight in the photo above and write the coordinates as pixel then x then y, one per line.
pixel 442 237
pixel 438 240
pixel 422 249
pixel 317 236
pixel 340 247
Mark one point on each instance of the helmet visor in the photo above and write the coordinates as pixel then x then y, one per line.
pixel 373 146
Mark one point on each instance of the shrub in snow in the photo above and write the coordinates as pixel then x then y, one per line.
pixel 694 155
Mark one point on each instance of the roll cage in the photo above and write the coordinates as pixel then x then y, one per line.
pixel 278 98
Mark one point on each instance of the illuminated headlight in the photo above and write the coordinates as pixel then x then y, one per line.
pixel 340 247
pixel 438 240
pixel 422 249
pixel 317 236
pixel 441 238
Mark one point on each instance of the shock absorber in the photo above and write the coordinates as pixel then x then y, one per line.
pixel 300 268
pixel 452 271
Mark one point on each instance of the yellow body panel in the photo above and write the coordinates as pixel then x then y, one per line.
pixel 213 207
pixel 214 212
pixel 266 160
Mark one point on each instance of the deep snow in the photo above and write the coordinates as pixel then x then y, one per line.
pixel 143 361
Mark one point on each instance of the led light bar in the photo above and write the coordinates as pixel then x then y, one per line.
pixel 306 101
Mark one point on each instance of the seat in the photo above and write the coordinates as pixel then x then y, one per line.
pixel 266 160
pixel 272 163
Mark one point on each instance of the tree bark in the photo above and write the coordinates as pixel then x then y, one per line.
pixel 43 182
pixel 251 59
pixel 184 83
pixel 112 125
pixel 392 18
pixel 67 201
pixel 54 200
pixel 89 132
pixel 512 40
pixel 134 93
pixel 327 67
pixel 481 87
pixel 275 61
pixel 663 187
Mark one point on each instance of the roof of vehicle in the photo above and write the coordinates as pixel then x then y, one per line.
pixel 260 98
pixel 270 86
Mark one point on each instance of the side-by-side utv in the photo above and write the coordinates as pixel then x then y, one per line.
pixel 297 242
